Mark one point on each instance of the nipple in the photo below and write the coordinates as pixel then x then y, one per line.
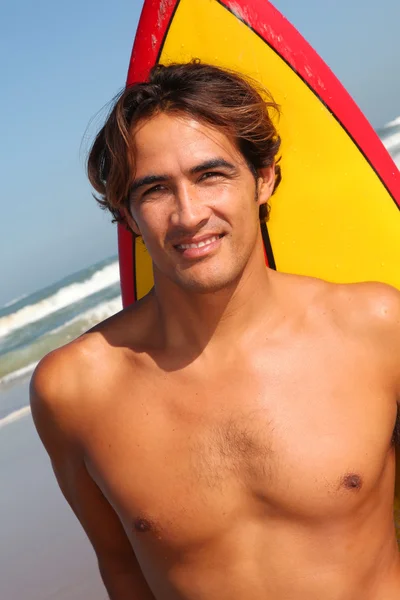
pixel 352 481
pixel 141 525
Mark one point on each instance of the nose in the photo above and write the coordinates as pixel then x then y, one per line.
pixel 190 212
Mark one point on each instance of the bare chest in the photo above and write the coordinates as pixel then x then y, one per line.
pixel 195 454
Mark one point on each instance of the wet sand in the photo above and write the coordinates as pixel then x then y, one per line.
pixel 44 554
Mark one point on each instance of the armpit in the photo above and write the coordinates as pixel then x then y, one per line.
pixel 396 431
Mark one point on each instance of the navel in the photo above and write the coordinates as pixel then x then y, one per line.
pixel 351 481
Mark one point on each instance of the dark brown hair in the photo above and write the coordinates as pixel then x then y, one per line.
pixel 223 99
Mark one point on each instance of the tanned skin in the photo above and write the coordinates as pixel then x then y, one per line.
pixel 230 436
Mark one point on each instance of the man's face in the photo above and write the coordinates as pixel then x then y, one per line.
pixel 195 202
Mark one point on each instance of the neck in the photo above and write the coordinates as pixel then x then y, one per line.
pixel 201 322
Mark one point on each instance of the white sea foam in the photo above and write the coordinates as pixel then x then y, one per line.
pixel 392 142
pixel 392 123
pixel 390 136
pixel 15 416
pixel 87 319
pixel 93 315
pixel 64 297
pixel 14 301
pixel 27 370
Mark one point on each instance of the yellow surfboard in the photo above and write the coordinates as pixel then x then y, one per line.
pixel 336 214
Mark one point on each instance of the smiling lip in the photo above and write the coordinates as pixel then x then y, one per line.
pixel 196 248
pixel 197 242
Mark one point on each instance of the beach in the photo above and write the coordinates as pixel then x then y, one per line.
pixel 44 553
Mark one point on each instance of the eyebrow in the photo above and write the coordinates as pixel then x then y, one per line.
pixel 213 163
pixel 147 180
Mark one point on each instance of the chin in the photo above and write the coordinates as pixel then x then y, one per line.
pixel 206 285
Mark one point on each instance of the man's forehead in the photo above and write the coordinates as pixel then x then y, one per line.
pixel 179 130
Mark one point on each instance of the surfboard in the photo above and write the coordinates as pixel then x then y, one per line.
pixel 336 214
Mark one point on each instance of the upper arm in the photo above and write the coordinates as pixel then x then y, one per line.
pixel 56 414
pixel 388 313
pixel 375 308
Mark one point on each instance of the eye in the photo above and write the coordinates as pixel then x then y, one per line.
pixel 211 175
pixel 155 189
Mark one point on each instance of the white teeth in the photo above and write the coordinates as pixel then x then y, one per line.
pixel 200 244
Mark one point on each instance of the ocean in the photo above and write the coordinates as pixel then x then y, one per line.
pixel 33 325
pixel 390 136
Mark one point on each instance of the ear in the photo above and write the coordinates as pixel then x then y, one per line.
pixel 126 214
pixel 265 184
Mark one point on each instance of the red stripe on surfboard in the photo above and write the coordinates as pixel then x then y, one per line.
pixel 283 37
pixel 126 266
pixel 153 26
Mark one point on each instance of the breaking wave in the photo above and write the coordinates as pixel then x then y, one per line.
pixel 65 296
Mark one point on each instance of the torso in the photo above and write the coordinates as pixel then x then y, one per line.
pixel 266 475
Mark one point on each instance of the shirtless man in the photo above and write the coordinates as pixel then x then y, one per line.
pixel 231 435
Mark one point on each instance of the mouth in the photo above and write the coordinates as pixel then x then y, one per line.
pixel 200 247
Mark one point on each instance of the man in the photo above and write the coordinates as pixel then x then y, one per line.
pixel 231 435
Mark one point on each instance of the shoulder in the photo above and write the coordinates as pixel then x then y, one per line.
pixel 60 386
pixel 69 380
pixel 369 315
pixel 63 372
pixel 372 305
pixel 72 381
pixel 374 317
pixel 365 309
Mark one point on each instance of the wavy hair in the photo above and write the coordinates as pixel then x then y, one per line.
pixel 224 99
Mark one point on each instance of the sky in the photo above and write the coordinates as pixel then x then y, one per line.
pixel 62 62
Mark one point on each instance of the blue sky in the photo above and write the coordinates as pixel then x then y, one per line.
pixel 61 62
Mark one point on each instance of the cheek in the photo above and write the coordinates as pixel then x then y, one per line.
pixel 247 209
pixel 233 202
pixel 152 221
pixel 247 221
